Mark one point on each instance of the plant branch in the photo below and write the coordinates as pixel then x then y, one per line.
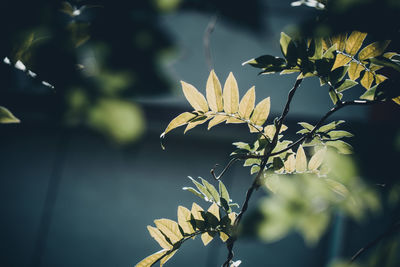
pixel 212 171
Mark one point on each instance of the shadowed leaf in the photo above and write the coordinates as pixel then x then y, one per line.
pixel 153 258
pixel 184 216
pixel 340 60
pixel 169 228
pixel 159 237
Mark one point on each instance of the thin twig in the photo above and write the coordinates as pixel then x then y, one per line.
pixel 206 40
pixel 224 170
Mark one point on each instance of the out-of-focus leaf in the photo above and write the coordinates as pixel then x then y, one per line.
pixel 382 61
pixel 339 134
pixel 223 192
pixel 337 187
pixel 301 160
pixel 367 80
pixel 261 112
pixel 272 183
pixel 180 120
pixel 340 60
pixel 373 50
pixel 354 42
pixel 194 97
pixel 330 126
pixel 214 93
pixel 290 164
pixel 153 258
pixel 170 229
pixel 7 117
pixel 246 105
pixel 341 146
pixel 231 95
pixel 184 216
pixel 159 237
pixel 316 160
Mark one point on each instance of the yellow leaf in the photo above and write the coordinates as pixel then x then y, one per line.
pixel 223 236
pixel 373 50
pixel 153 258
pixel 254 128
pixel 354 70
pixel 246 105
pixel 169 228
pixel 159 237
pixel 7 117
pixel 167 257
pixel 184 216
pixel 290 164
pixel 231 95
pixel 214 93
pixel 261 112
pixel 193 124
pixel 214 210
pixel 374 67
pixel 380 78
pixel 206 238
pixel 270 130
pixel 316 160
pixel 340 41
pixel 367 79
pixel 354 42
pixel 340 60
pixel 232 217
pixel 216 120
pixel 396 100
pixel 194 97
pixel 196 212
pixel 180 120
pixel 301 160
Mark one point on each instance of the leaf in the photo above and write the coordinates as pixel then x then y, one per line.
pixel 337 75
pixel 337 187
pixel 333 95
pixel 354 42
pixel 184 216
pixel 206 238
pixel 216 120
pixel 340 41
pixel 242 145
pixel 153 258
pixel 265 61
pixel 196 212
pixel 339 134
pixel 301 160
pixel 330 126
pixel 341 146
pixel 382 61
pixel 223 192
pixel 167 257
pixel 340 60
pixel 290 164
pixel 202 189
pixel 7 117
pixel 380 78
pixel 254 169
pixel 159 237
pixel 355 70
pixel 306 126
pixel 211 189
pixel 261 112
pixel 231 95
pixel 369 94
pixel 316 160
pixel 214 210
pixel 197 121
pixel 180 120
pixel 194 191
pixel 251 162
pixel 246 105
pixel 234 120
pixel 223 236
pixel 214 93
pixel 373 50
pixel 367 80
pixel 347 84
pixel 170 229
pixel 284 42
pixel 194 97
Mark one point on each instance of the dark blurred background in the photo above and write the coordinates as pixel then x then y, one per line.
pixel 83 173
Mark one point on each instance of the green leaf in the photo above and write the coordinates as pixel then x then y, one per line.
pixel 254 169
pixel 194 97
pixel 345 85
pixel 261 112
pixel 303 131
pixel 333 95
pixel 316 160
pixel 170 229
pixel 301 160
pixel 337 75
pixel 159 237
pixel 153 258
pixel 373 50
pixel 354 42
pixel 246 105
pixel 7 117
pixel 223 192
pixel 231 95
pixel 306 125
pixel 284 42
pixel 272 183
pixel 369 94
pixel 329 53
pixel 382 61
pixel 214 93
pixel 367 79
pixel 277 163
pixel 251 162
pixel 211 189
pixel 194 191
pixel 317 48
pixel 330 126
pixel 202 189
pixel 339 134
pixel 184 216
pixel 242 145
pixel 341 146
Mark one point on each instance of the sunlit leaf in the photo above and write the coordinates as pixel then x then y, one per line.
pixel 261 112
pixel 216 120
pixel 159 237
pixel 373 50
pixel 223 192
pixel 206 238
pixel 194 97
pixel 354 70
pixel 214 93
pixel 7 117
pixel 340 60
pixel 284 42
pixel 254 169
pixel 316 160
pixel 195 122
pixel 341 146
pixel 242 145
pixel 330 126
pixel 196 212
pixel 339 134
pixel 153 258
pixel 367 80
pixel 301 160
pixel 202 189
pixel 340 41
pixel 194 191
pixel 290 164
pixel 184 216
pixel 354 42
pixel 337 187
pixel 169 228
pixel 234 120
pixel 223 236
pixel 167 257
pixel 214 210
pixel 380 78
pixel 246 105
pixel 211 189
pixel 251 162
pixel 231 95
pixel 306 125
pixel 180 120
